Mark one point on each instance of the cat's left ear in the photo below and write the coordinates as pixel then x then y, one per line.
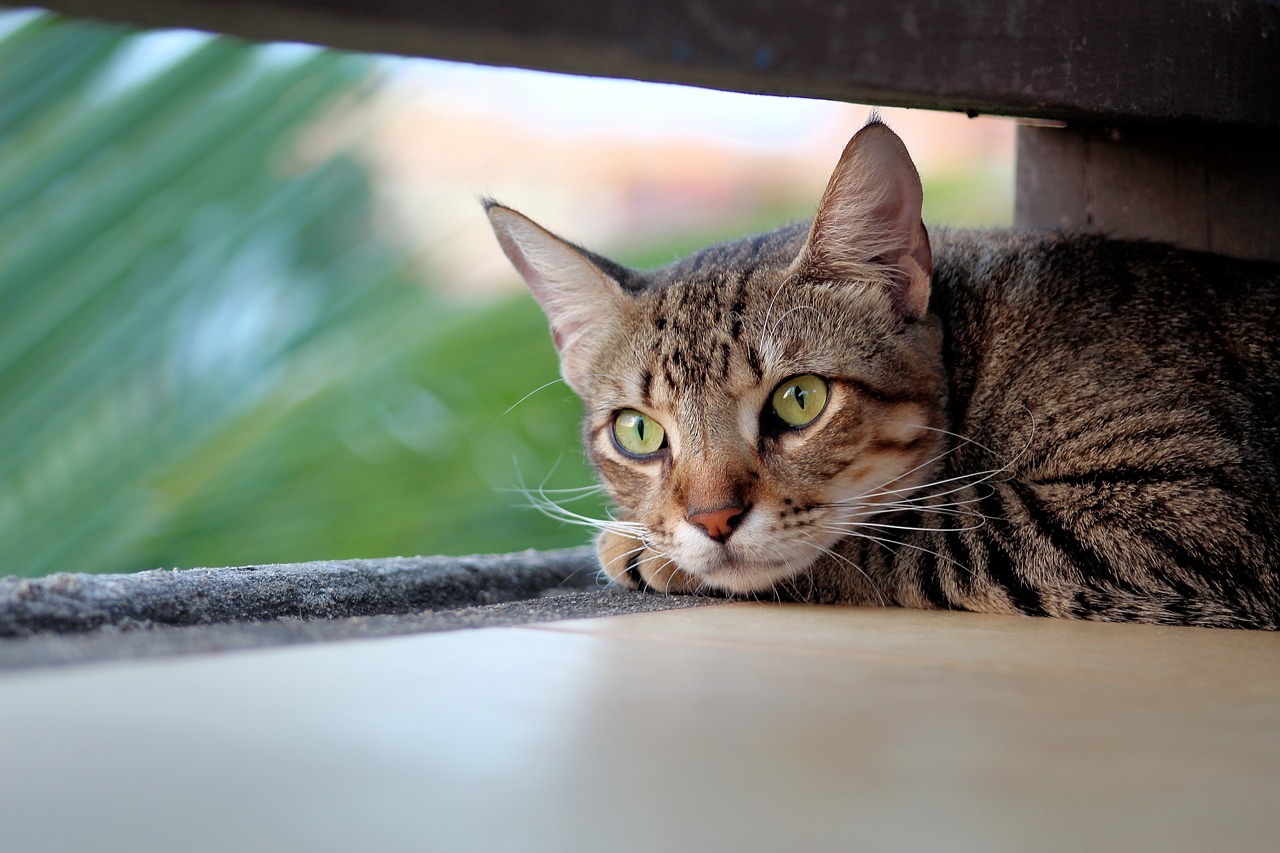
pixel 868 225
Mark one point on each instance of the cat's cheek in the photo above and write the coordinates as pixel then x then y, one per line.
pixel 630 485
pixel 615 552
pixel 628 562
pixel 665 576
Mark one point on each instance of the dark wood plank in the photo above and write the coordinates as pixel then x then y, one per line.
pixel 1214 189
pixel 1180 60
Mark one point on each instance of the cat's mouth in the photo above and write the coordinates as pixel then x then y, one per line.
pixel 753 560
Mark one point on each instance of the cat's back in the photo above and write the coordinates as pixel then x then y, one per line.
pixel 1086 318
pixel 1090 280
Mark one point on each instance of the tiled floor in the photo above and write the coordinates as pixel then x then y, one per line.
pixel 736 728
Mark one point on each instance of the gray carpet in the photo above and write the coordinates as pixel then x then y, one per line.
pixel 68 618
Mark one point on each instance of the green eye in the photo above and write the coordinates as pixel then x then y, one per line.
pixel 637 434
pixel 800 399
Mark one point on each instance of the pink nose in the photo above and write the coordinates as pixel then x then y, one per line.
pixel 719 524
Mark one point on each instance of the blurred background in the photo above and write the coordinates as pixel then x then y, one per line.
pixel 251 312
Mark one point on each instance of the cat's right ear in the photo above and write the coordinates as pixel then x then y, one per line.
pixel 574 292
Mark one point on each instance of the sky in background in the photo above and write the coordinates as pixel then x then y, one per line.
pixel 617 164
pixel 568 104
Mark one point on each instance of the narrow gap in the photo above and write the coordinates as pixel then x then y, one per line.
pixel 1086 166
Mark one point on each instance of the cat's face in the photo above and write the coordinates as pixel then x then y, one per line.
pixel 743 416
pixel 746 405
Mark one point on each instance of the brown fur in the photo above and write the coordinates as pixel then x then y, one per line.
pixel 1020 423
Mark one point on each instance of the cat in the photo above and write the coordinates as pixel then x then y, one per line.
pixel 854 411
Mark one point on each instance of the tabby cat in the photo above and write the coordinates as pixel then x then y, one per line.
pixel 847 411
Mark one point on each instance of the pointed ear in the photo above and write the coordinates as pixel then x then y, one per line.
pixel 868 225
pixel 574 292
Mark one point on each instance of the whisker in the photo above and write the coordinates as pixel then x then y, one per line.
pixel 923 464
pixel 778 322
pixel 981 477
pixel 965 440
pixel 539 498
pixel 858 525
pixel 913 546
pixel 545 385
pixel 562 496
pixel 830 553
pixel 625 555
pixel 878 510
pixel 560 513
pixel 977 477
pixel 911 503
pixel 764 327
pixel 969 440
pixel 583 490
pixel 507 411
pixel 654 557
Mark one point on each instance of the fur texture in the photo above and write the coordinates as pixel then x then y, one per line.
pixel 1016 423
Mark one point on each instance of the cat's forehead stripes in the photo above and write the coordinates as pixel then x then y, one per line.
pixel 703 311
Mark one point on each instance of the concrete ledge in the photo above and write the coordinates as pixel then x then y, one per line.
pixel 70 618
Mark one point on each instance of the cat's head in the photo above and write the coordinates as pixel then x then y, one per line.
pixel 746 404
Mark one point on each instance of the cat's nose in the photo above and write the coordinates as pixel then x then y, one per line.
pixel 720 523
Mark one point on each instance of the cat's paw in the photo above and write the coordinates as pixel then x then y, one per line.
pixel 628 562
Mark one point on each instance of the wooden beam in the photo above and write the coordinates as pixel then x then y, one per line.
pixel 1209 189
pixel 1215 61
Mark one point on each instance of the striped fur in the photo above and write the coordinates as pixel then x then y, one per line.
pixel 1016 423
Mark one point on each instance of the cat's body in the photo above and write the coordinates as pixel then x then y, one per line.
pixel 1127 395
pixel 842 412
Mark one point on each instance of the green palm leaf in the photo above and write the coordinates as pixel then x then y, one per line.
pixel 206 359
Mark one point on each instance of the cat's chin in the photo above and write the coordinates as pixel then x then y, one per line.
pixel 752 562
pixel 744 577
pixel 746 580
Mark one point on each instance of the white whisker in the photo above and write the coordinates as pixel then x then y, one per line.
pixel 908 506
pixel 852 526
pixel 902 544
pixel 764 327
pixel 964 439
pixel 540 498
pixel 917 502
pixel 526 397
pixel 625 556
pixel 545 385
pixel 981 477
pixel 830 553
pixel 923 464
pixel 976 477
pixel 778 322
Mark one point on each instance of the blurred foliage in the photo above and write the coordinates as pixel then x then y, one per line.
pixel 975 198
pixel 206 358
